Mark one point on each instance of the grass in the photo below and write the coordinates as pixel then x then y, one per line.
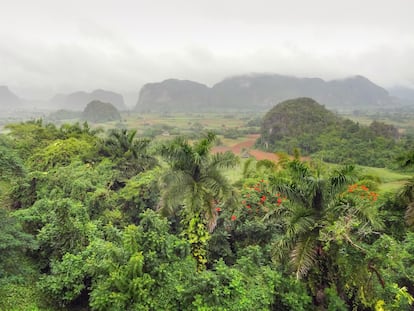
pixel 391 187
pixel 391 181
pixel 236 173
pixel 385 175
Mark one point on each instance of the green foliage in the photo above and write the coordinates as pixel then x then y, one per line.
pixel 302 123
pixel 81 227
pixel 13 244
pixel 63 226
pixel 60 153
pixel 22 297
pixel 333 301
pixel 295 117
pixel 322 217
pixel 65 282
pixel 194 181
pixel 396 262
pixel 140 193
pixel 143 269
pixel 130 155
pixel 247 286
pixel 10 163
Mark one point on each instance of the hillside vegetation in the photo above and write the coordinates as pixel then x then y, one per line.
pixel 304 124
pixel 97 111
pixel 114 221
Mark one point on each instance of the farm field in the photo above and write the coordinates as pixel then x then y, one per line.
pixel 167 126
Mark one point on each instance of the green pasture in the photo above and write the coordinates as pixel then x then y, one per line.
pixel 185 120
pixel 391 181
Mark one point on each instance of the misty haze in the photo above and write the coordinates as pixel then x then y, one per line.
pixel 206 155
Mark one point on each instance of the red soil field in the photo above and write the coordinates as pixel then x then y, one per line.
pixel 261 155
pixel 246 145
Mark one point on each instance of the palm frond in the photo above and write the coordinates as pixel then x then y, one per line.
pixel 281 247
pixel 224 160
pixel 174 185
pixel 203 146
pixel 298 169
pixel 303 256
pixel 342 177
pixel 291 191
pixel 178 153
pixel 131 135
pixel 247 167
pixel 268 165
pixel 369 214
pixel 216 182
pixel 299 221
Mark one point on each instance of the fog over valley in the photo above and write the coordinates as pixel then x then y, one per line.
pixel 51 48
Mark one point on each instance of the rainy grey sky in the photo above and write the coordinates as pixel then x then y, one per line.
pixel 51 46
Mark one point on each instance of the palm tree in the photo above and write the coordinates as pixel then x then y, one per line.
pixel 129 153
pixel 313 205
pixel 194 183
pixel 253 168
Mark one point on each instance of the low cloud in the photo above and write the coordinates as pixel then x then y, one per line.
pixel 106 45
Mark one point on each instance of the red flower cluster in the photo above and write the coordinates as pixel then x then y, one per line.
pixel 259 199
pixel 363 192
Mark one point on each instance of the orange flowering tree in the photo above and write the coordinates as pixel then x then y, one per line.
pixel 243 223
pixel 259 199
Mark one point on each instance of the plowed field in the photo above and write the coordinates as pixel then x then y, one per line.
pixel 246 145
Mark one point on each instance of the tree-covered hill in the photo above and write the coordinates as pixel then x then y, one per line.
pixel 97 111
pixel 304 124
pixel 296 117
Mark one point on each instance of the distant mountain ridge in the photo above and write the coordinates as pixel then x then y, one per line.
pixel 172 93
pixel 8 100
pixel 261 92
pixel 78 100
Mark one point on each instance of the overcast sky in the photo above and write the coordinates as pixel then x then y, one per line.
pixel 51 46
